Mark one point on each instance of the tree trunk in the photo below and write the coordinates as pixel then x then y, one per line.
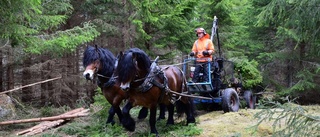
pixel 10 76
pixel 290 64
pixel 147 29
pixel 1 72
pixel 302 53
pixel 77 72
pixel 26 79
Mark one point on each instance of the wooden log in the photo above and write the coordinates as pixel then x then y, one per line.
pixel 45 125
pixel 32 128
pixel 4 92
pixel 72 111
pixel 80 114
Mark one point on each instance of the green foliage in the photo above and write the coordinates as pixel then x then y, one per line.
pixel 290 120
pixel 306 83
pixel 288 32
pixel 100 100
pixel 62 41
pixel 46 111
pixel 50 135
pixel 249 72
pixel 34 25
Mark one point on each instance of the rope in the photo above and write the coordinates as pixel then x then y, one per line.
pixel 186 95
pixel 99 75
pixel 178 63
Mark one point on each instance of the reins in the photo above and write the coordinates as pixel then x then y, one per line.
pixel 99 75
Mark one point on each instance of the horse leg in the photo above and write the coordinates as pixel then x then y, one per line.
pixel 170 120
pixel 190 112
pixel 111 115
pixel 127 121
pixel 143 113
pixel 118 112
pixel 152 120
pixel 162 114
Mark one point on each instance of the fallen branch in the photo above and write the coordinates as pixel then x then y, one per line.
pixel 47 124
pixel 4 92
pixel 81 114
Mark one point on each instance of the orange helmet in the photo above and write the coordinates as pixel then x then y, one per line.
pixel 200 30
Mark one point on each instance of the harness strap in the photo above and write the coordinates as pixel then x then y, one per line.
pixel 160 85
pixel 110 82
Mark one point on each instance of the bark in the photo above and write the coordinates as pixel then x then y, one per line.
pixel 51 124
pixel 81 112
pixel 1 72
pixel 302 53
pixel 10 75
pixel 290 65
pixel 26 79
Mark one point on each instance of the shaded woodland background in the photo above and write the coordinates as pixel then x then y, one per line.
pixel 275 44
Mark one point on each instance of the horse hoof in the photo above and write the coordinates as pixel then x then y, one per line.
pixel 170 123
pixel 129 124
pixel 155 133
pixel 159 118
pixel 111 122
pixel 130 128
pixel 191 120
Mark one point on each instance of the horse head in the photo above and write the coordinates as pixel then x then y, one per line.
pixel 97 61
pixel 132 65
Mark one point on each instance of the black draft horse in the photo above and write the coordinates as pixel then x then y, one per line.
pixel 100 62
pixel 147 85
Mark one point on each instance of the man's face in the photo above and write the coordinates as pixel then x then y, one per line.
pixel 200 35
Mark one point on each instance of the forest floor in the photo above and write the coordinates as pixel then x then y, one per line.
pixel 212 124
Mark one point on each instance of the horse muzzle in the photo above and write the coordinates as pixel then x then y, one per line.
pixel 88 74
pixel 125 86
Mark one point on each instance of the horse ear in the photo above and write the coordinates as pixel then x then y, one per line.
pixel 134 55
pixel 96 47
pixel 120 54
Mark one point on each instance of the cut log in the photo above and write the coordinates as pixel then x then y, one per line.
pixel 43 127
pixel 47 121
pixel 80 114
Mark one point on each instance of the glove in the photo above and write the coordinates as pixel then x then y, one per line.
pixel 205 53
pixel 191 54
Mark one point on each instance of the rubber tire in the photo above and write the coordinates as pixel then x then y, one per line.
pixel 230 100
pixel 249 98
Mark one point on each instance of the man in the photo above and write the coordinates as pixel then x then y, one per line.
pixel 203 49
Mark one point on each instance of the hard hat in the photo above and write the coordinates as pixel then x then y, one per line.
pixel 200 30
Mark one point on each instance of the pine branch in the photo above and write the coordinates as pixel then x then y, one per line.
pixel 290 120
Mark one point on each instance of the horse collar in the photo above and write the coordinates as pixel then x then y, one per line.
pixel 149 81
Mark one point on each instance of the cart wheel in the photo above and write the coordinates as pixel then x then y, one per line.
pixel 230 100
pixel 250 101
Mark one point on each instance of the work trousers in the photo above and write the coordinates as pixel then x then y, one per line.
pixel 201 67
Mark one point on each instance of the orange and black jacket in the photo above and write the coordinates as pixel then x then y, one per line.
pixel 203 44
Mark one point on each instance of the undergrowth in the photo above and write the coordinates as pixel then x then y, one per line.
pixel 289 119
pixel 95 125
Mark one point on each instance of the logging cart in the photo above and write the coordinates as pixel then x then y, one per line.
pixel 224 88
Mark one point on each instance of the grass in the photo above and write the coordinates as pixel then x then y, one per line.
pixel 214 123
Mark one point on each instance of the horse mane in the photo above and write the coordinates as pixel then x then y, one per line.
pixel 106 57
pixel 126 64
pixel 142 58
